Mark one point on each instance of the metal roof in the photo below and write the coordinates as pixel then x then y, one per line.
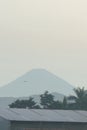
pixel 36 115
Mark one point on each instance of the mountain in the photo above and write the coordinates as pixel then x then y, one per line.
pixel 36 82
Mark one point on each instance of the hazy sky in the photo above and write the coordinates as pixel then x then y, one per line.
pixel 50 34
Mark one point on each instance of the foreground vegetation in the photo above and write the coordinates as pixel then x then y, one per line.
pixel 73 102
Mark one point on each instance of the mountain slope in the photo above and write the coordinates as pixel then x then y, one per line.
pixel 36 82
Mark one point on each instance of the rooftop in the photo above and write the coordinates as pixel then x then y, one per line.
pixel 36 115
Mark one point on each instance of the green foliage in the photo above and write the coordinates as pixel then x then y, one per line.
pixel 30 103
pixel 64 104
pixel 56 105
pixel 80 99
pixel 47 101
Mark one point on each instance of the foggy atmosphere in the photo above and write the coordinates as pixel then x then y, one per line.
pixel 43 65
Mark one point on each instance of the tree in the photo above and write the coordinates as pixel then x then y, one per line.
pixel 80 99
pixel 30 103
pixel 64 104
pixel 56 105
pixel 77 101
pixel 46 100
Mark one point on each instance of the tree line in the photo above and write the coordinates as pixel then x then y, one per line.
pixel 47 101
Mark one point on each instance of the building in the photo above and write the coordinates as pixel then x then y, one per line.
pixel 32 119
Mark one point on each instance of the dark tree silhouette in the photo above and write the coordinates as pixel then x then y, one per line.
pixel 80 99
pixel 47 101
pixel 30 103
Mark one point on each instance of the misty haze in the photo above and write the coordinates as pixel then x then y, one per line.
pixel 43 65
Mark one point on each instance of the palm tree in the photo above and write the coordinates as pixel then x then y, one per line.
pixel 80 98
